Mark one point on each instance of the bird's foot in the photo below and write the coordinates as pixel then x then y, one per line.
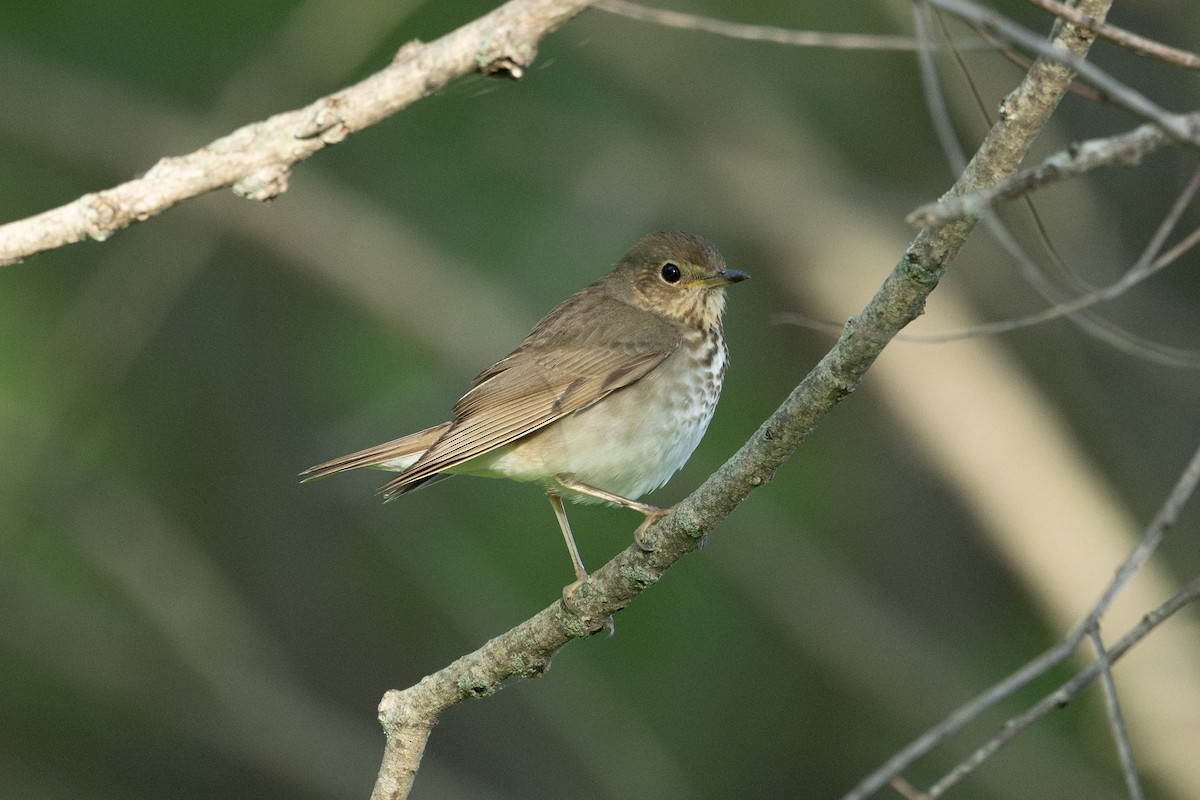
pixel 569 592
pixel 653 515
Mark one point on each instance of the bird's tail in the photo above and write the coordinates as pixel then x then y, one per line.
pixel 395 456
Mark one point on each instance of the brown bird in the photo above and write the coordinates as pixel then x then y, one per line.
pixel 603 401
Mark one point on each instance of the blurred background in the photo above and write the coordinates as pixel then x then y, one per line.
pixel 178 617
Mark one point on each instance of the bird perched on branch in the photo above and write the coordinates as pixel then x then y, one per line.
pixel 603 401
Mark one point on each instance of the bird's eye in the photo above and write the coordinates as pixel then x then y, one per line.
pixel 670 272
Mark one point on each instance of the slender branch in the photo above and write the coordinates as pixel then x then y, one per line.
pixel 1116 719
pixel 1085 318
pixel 935 99
pixel 1069 690
pixel 1127 39
pixel 1179 128
pixel 1056 311
pixel 1180 493
pixel 1082 316
pixel 1064 309
pixel 757 33
pixel 1151 261
pixel 1126 150
pixel 255 160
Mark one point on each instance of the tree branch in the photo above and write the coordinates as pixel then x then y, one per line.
pixel 1130 41
pixel 760 33
pixel 1113 90
pixel 1126 150
pixel 1116 720
pixel 1167 514
pixel 256 159
pixel 1065 693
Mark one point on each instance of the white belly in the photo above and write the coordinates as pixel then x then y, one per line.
pixel 629 444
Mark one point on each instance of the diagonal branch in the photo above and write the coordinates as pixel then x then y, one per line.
pixel 1116 720
pixel 759 33
pixel 1068 691
pixel 1136 103
pixel 1126 150
pixel 1168 513
pixel 1119 36
pixel 408 716
pixel 256 159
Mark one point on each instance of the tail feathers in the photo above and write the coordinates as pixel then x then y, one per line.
pixel 396 455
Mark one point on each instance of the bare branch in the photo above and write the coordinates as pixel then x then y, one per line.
pixel 763 33
pixel 1127 39
pixel 256 159
pixel 1180 493
pixel 1126 150
pixel 1115 719
pixel 1069 690
pixel 1085 318
pixel 1149 263
pixel 1076 309
pixel 1179 128
pixel 935 99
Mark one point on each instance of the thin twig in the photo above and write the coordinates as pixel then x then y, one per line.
pixel 1069 690
pixel 1020 60
pixel 1116 719
pixel 761 33
pixel 1057 311
pixel 255 160
pixel 1163 521
pixel 1179 248
pixel 1177 126
pixel 1077 309
pixel 1127 39
pixel 1146 265
pixel 964 206
pixel 1085 318
pixel 935 99
pixel 1150 261
pixel 958 718
pixel 1168 512
pixel 1126 150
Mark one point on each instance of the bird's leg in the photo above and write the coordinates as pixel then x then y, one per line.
pixel 580 573
pixel 560 513
pixel 651 513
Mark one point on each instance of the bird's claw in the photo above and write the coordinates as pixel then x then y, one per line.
pixel 651 518
pixel 569 591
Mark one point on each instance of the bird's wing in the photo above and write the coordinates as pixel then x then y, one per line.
pixel 558 370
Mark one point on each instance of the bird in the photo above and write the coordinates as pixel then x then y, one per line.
pixel 603 401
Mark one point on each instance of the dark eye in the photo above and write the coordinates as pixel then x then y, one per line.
pixel 670 272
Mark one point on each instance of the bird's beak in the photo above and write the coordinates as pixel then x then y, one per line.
pixel 723 278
